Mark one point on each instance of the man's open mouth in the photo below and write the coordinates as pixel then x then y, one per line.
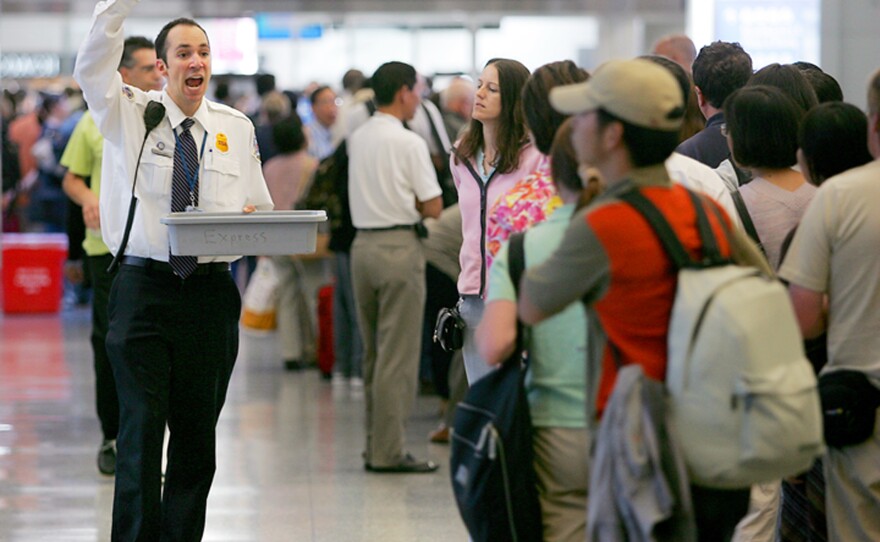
pixel 194 82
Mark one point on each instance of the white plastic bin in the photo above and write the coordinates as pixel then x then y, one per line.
pixel 260 233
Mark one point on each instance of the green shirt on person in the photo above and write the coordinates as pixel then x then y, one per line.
pixel 82 157
pixel 556 383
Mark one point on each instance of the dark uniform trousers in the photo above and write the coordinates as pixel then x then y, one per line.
pixel 172 344
pixel 106 399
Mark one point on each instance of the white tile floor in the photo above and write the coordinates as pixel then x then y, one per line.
pixel 289 445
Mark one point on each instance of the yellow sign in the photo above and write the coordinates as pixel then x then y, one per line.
pixel 222 143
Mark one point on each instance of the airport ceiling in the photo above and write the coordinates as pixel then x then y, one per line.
pixel 222 8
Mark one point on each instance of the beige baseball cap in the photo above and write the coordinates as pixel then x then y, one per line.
pixel 637 91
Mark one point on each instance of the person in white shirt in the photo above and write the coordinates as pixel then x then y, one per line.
pixel 173 333
pixel 321 133
pixel 685 170
pixel 391 185
pixel 831 268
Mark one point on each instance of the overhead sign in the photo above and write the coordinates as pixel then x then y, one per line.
pixel 26 65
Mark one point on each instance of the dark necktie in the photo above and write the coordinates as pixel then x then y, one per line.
pixel 186 170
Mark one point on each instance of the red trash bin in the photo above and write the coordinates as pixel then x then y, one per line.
pixel 33 271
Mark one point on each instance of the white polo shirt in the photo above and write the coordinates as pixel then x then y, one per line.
pixel 695 175
pixel 389 169
pixel 836 251
pixel 230 174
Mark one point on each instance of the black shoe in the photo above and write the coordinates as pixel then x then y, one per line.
pixel 409 464
pixel 107 457
pixel 294 365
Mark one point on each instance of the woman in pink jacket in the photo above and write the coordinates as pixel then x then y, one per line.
pixel 491 156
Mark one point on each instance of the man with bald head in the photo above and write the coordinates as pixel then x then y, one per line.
pixel 678 48
pixel 457 103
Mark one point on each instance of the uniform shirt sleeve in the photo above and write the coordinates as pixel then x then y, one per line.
pixel 258 192
pixel 578 269
pixel 808 261
pixel 96 68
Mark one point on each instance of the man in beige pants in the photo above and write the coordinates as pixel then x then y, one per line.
pixel 392 185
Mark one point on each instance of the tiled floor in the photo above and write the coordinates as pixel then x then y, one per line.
pixel 289 444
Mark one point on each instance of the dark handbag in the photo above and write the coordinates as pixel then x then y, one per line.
pixel 849 407
pixel 492 459
pixel 449 329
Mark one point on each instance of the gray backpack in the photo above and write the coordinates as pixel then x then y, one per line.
pixel 743 397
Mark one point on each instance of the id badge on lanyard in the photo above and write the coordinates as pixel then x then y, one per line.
pixel 192 177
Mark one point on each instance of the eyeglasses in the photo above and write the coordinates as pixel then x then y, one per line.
pixel 724 131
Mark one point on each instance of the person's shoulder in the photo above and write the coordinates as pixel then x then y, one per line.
pixel 688 163
pixel 693 173
pixel 85 125
pixel 864 173
pixel 430 106
pixel 529 152
pixel 226 111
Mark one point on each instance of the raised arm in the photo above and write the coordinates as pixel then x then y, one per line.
pixel 96 66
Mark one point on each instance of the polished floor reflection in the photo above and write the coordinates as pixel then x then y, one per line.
pixel 289 445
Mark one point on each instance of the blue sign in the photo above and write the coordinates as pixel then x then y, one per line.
pixel 272 26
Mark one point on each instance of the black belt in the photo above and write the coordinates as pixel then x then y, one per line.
pixel 390 228
pixel 165 267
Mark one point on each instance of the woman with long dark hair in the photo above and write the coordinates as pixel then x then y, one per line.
pixel 490 157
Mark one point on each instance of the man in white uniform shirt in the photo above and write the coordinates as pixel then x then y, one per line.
pixel 391 185
pixel 173 334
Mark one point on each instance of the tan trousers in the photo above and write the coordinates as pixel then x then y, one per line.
pixel 759 524
pixel 388 274
pixel 563 467
pixel 852 491
pixel 296 326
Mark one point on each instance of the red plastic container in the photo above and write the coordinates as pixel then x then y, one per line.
pixel 33 271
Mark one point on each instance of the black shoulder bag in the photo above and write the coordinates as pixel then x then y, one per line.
pixel 491 460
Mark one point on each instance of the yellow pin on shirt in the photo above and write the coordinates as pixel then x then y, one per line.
pixel 222 143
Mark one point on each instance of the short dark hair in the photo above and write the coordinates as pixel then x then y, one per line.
pixel 833 138
pixel 563 159
pixel 353 80
pixel 762 122
pixel 162 38
pixel 827 88
pixel 646 147
pixel 221 90
pixel 720 68
pixel 789 80
pixel 132 45
pixel 313 97
pixel 265 83
pixel 542 119
pixel 512 77
pixel 390 78
pixel 288 134
pixel 874 93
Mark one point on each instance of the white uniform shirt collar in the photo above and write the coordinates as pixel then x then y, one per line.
pixel 176 116
pixel 387 117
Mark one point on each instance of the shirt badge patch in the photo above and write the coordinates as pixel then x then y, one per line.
pixel 222 143
pixel 256 150
pixel 128 93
